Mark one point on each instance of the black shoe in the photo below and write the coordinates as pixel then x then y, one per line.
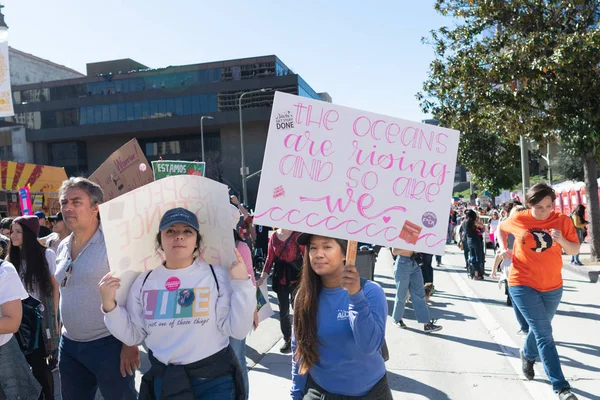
pixel 566 394
pixel 286 348
pixel 400 324
pixel 431 327
pixel 527 366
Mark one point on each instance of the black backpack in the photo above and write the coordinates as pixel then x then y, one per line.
pixel 30 330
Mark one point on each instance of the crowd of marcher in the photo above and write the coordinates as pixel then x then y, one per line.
pixel 58 306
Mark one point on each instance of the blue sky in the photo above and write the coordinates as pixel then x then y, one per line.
pixel 365 56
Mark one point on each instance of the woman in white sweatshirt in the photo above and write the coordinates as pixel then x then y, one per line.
pixel 185 310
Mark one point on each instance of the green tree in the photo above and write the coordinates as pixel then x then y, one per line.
pixel 569 164
pixel 492 160
pixel 522 67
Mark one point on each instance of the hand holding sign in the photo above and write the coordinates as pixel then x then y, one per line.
pixel 238 270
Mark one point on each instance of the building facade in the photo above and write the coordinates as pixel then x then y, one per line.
pixel 25 69
pixel 77 123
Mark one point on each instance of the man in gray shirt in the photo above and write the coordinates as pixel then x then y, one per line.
pixel 90 358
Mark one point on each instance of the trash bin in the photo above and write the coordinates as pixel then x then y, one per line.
pixel 365 262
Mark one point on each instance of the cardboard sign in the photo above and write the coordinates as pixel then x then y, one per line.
pixel 162 169
pixel 351 174
pixel 125 170
pixel 130 224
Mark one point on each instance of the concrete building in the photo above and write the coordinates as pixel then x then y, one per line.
pixel 24 69
pixel 78 122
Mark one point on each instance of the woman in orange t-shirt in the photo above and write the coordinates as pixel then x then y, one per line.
pixel 535 281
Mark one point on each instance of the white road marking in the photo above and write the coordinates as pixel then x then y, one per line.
pixel 536 390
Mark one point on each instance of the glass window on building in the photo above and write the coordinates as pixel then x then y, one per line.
pixel 179 106
pixel 170 106
pixel 145 109
pixel 122 111
pixel 114 113
pixel 154 109
pixel 130 114
pixel 70 155
pixel 137 109
pixel 162 108
pixel 90 115
pixel 105 114
pixel 187 105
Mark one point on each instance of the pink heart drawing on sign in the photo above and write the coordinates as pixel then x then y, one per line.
pixel 386 219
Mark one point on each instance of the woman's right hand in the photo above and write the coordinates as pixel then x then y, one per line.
pixel 108 291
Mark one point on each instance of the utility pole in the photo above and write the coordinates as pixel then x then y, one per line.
pixel 524 166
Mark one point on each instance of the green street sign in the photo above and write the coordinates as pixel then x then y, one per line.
pixel 162 169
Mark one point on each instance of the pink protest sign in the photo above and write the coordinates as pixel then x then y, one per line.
pixel 356 175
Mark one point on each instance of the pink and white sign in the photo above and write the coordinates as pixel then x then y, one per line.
pixel 130 224
pixel 356 175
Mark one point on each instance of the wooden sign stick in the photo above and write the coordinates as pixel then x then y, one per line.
pixel 351 252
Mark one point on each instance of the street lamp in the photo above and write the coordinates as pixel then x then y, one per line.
pixel 243 170
pixel 202 133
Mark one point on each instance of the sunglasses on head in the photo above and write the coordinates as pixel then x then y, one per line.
pixel 68 273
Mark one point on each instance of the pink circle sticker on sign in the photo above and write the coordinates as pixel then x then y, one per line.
pixel 173 284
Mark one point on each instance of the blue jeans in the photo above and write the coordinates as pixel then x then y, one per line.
pixel 221 388
pixel 538 309
pixel 239 348
pixel 408 276
pixel 16 379
pixel 88 366
pixel 477 256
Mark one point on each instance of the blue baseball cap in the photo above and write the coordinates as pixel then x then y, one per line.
pixel 40 215
pixel 179 215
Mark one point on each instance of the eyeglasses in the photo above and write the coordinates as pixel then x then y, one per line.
pixel 68 273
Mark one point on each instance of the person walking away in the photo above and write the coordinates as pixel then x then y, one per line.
pixel 339 328
pixel 408 276
pixel 285 257
pixel 474 242
pixel 90 358
pixel 16 378
pixel 36 265
pixel 185 310
pixel 578 217
pixel 535 281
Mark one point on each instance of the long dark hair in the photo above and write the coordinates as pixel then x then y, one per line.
pixel 580 212
pixel 236 237
pixel 305 316
pixel 33 254
pixel 305 313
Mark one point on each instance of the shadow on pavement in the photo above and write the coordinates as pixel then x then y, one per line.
pixel 437 312
pixel 492 346
pixel 275 364
pixel 407 385
pixel 580 305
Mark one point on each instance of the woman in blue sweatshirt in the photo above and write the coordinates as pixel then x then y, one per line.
pixel 339 327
